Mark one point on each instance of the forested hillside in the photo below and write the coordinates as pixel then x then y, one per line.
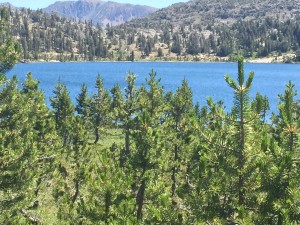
pixel 248 27
pixel 215 12
pixel 253 29
pixel 144 155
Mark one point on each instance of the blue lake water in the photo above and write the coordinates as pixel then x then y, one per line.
pixel 205 79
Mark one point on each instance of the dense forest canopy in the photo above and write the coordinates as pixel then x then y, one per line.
pixel 145 155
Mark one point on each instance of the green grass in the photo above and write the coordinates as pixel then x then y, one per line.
pixel 113 136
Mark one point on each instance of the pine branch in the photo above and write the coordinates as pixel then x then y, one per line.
pixel 231 82
pixel 32 218
pixel 249 81
pixel 208 140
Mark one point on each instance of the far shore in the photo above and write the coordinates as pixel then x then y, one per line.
pixel 272 59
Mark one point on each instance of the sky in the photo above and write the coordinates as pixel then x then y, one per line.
pixel 35 4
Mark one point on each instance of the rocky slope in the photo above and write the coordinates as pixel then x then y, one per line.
pixel 102 12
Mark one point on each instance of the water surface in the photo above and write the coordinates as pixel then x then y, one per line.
pixel 205 79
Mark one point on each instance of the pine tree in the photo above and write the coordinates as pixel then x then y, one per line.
pixel 63 112
pixel 176 47
pixel 260 105
pixel 246 143
pixel 241 109
pixel 193 45
pixel 232 155
pixel 83 107
pixel 144 161
pixel 181 105
pixel 24 148
pixel 151 98
pixel 180 124
pixel 207 189
pixel 132 56
pixel 101 103
pixel 70 175
pixel 125 110
pixel 160 52
pixel 148 146
pixel 282 181
pixel 18 151
pixel 9 50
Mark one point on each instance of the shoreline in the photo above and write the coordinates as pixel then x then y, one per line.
pixel 273 59
pixel 252 61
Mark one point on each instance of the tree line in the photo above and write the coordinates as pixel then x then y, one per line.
pixel 51 37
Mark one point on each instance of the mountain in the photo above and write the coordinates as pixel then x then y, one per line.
pixel 253 28
pixel 214 12
pixel 7 4
pixel 98 11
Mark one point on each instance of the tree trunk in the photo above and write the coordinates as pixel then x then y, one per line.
pixel 291 141
pixel 241 153
pixel 97 135
pixel 126 151
pixel 140 200
pixel 76 190
pixel 280 219
pixel 127 143
pixel 97 129
pixel 107 205
pixel 174 171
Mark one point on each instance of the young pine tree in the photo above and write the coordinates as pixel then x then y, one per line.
pixel 125 110
pixel 83 107
pixel 148 147
pixel 282 182
pixel 100 108
pixel 179 111
pixel 245 147
pixel 63 111
pixel 25 151
pixel 10 51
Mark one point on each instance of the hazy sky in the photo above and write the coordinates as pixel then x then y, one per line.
pixel 34 4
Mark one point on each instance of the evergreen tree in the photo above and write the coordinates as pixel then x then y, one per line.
pixel 125 109
pixel 146 137
pixel 132 56
pixel 83 107
pixel 101 102
pixel 176 47
pixel 181 105
pixel 69 175
pixel 283 181
pixel 260 105
pixel 63 112
pixel 193 45
pixel 144 162
pixel 18 150
pixel 246 144
pixel 179 125
pixel 297 58
pixel 9 50
pixel 151 98
pixel 25 136
pixel 160 52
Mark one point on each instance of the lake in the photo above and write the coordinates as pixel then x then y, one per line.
pixel 205 79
